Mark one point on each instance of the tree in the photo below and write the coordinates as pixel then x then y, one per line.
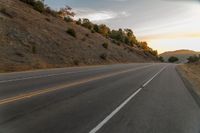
pixel 66 12
pixel 129 32
pixel 173 59
pixel 117 35
pixel 79 22
pixel 38 5
pixel 104 30
pixel 144 46
pixel 105 45
pixel 87 24
pixel 71 32
pixel 96 28
pixel 193 59
pixel 161 59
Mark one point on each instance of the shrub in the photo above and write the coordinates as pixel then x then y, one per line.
pixel 66 11
pixel 3 10
pixel 173 59
pixel 30 2
pixel 71 32
pixel 76 62
pixel 79 22
pixel 96 28
pixel 103 56
pixel 92 31
pixel 19 54
pixel 87 35
pixel 116 42
pixel 161 59
pixel 87 24
pixel 34 49
pixel 37 4
pixel 68 19
pixel 105 45
pixel 50 11
pixel 153 52
pixel 193 59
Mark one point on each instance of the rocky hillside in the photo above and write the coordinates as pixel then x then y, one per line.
pixel 32 40
pixel 181 54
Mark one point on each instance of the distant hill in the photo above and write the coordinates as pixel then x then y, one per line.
pixel 181 54
pixel 33 40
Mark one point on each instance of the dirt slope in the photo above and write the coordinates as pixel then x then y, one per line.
pixel 31 40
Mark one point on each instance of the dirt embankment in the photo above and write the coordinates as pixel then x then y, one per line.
pixel 192 73
pixel 31 40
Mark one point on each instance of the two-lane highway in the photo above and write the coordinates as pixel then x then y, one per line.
pixel 123 98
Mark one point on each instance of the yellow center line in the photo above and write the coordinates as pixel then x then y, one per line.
pixel 43 91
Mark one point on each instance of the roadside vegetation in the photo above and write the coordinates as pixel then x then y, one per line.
pixel 40 37
pixel 173 59
pixel 125 36
pixel 193 59
pixel 71 32
pixel 161 59
pixel 191 71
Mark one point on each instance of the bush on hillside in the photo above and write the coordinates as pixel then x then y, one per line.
pixel 125 36
pixel 66 11
pixel 105 45
pixel 79 22
pixel 173 59
pixel 161 59
pixel 87 24
pixel 71 32
pixel 68 19
pixel 34 49
pixel 104 56
pixel 50 11
pixel 193 59
pixel 6 12
pixel 38 5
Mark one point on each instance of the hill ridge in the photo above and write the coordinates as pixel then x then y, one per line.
pixel 31 40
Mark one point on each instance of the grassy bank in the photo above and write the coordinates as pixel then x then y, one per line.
pixel 192 73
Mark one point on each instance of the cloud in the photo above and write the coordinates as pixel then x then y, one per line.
pixel 95 15
pixel 171 36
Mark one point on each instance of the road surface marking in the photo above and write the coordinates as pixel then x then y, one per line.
pixel 42 76
pixel 152 78
pixel 43 91
pixel 102 123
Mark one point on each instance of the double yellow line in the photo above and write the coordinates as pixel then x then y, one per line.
pixel 48 90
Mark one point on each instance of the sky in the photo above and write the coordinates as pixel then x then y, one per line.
pixel 165 24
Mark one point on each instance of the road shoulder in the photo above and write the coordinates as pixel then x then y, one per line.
pixel 193 89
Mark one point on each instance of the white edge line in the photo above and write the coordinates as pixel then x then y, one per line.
pixel 94 130
pixel 153 77
pixel 102 123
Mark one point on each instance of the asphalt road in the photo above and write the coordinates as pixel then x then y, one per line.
pixel 123 98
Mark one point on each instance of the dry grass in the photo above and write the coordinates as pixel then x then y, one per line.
pixel 31 40
pixel 192 73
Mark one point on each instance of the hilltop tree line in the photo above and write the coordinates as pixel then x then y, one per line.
pixel 125 36
pixel 119 36
pixel 172 59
